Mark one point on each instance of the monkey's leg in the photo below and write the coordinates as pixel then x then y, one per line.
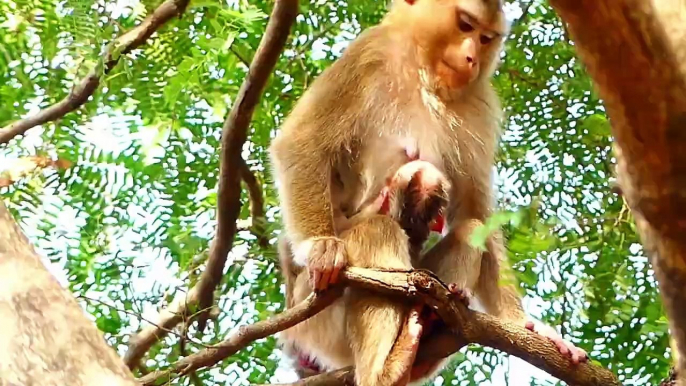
pixel 504 301
pixel 383 351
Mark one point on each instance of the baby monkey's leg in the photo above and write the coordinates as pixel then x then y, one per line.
pixel 383 332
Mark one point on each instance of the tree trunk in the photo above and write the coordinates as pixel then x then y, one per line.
pixel 635 50
pixel 45 337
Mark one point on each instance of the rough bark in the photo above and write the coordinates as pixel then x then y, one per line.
pixel 46 338
pixel 635 51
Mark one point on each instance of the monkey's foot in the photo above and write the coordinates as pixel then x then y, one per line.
pixel 399 361
pixel 462 294
pixel 325 258
pixel 565 347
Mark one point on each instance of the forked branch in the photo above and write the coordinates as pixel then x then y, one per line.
pixel 244 336
pixel 234 135
pixel 232 168
pixel 84 89
pixel 464 327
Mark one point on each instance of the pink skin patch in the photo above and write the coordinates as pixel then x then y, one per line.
pixel 308 363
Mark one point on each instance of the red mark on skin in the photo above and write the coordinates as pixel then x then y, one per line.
pixel 306 362
pixel 386 206
pixel 438 224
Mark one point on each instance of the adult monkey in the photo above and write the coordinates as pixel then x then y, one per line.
pixel 417 85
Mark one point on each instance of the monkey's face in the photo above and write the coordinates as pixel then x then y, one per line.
pixel 461 39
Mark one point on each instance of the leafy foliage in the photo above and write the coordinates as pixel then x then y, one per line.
pixel 128 225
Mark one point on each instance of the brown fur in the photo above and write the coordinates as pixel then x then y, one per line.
pixel 338 147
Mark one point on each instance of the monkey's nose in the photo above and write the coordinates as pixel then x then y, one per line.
pixel 471 62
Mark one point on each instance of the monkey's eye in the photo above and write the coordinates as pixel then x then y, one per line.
pixel 464 24
pixel 485 39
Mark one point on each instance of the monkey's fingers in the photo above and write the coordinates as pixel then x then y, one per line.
pixel 340 262
pixel 328 261
pixel 316 266
pixel 315 278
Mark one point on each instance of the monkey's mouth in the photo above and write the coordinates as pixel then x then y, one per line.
pixel 454 76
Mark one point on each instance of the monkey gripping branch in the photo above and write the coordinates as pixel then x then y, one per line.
pixel 464 327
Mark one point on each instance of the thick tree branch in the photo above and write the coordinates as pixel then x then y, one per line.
pixel 635 51
pixel 82 91
pixel 465 326
pixel 46 337
pixel 480 328
pixel 234 135
pixel 244 336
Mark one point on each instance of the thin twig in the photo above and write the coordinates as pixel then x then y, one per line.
pixel 83 90
pixel 140 317
pixel 257 215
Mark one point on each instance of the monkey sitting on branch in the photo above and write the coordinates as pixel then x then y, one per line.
pixel 416 86
pixel 414 197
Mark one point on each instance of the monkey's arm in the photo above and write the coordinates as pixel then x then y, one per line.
pixel 491 278
pixel 289 271
pixel 455 260
pixel 304 163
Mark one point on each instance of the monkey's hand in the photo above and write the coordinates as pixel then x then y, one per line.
pixel 565 347
pixel 325 258
pixel 462 294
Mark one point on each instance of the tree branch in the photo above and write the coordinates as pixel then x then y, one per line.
pixel 635 51
pixel 342 377
pixel 244 336
pixel 234 135
pixel 168 318
pixel 464 327
pixel 80 93
pixel 46 338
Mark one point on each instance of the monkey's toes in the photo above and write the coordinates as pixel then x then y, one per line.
pixel 565 347
pixel 458 293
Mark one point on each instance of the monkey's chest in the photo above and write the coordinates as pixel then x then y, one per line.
pixel 383 157
pixel 387 153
